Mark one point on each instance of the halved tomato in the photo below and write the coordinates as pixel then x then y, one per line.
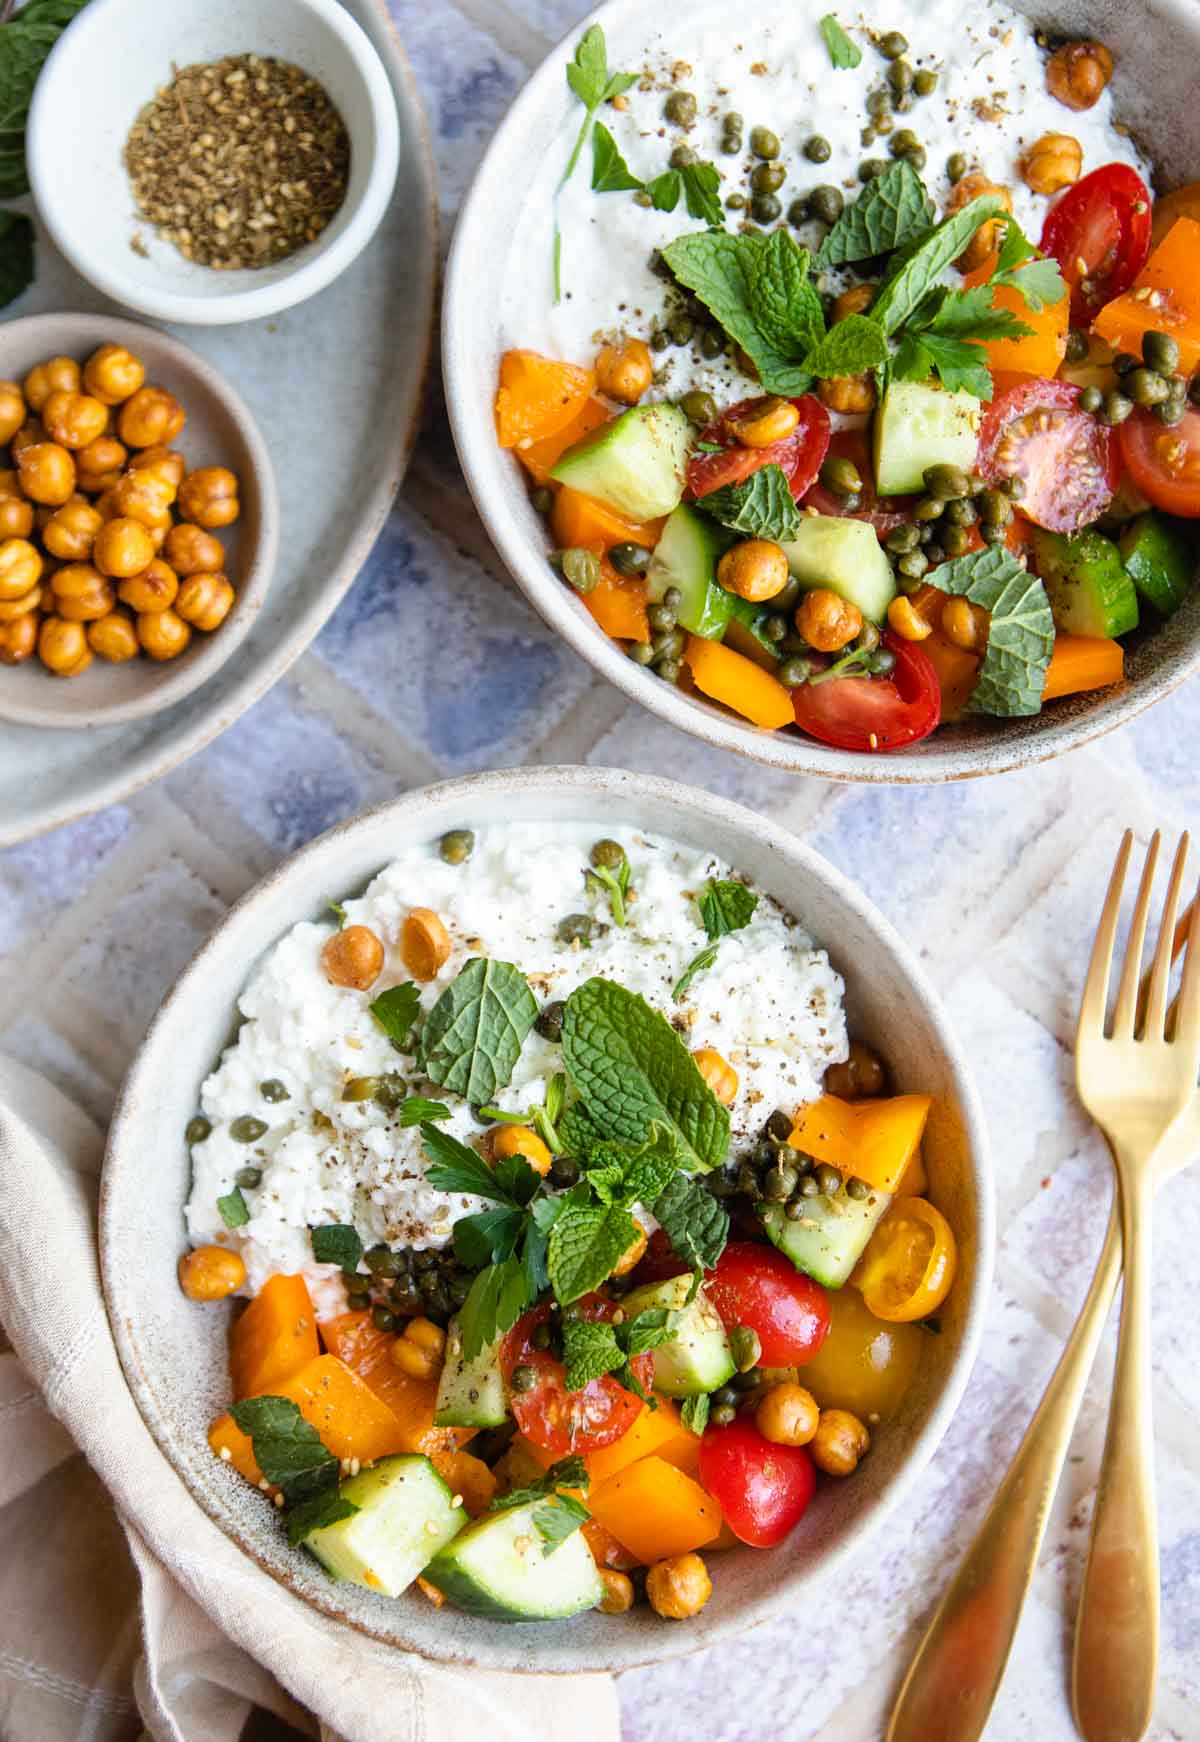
pixel 562 1421
pixel 874 713
pixel 1099 232
pixel 1067 461
pixel 801 455
pixel 884 512
pixel 1164 462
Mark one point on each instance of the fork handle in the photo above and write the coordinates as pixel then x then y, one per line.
pixel 1116 1636
pixel 952 1681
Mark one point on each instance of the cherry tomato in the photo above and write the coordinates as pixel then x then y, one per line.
pixel 755 1285
pixel 1067 461
pixel 908 1266
pixel 1099 232
pixel 763 1489
pixel 659 1262
pixel 864 1365
pixel 801 455
pixel 1164 462
pixel 874 713
pixel 562 1421
pixel 884 512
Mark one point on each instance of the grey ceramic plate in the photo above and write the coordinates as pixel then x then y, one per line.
pixel 339 415
pixel 174 1352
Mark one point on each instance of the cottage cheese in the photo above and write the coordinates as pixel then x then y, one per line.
pixel 772 1005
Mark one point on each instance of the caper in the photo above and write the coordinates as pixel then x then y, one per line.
pixel 661 619
pixel 788 596
pixel 457 845
pixel 779 1126
pixel 956 540
pixel 1171 412
pixel 902 538
pixel 956 166
pixel 747 1180
pixel 723 1414
pixel 882 124
pixel 857 1188
pixel 1116 408
pixel 745 1347
pixel 673 597
pixel 867 639
pixel 962 512
pixel 683 157
pixel 357 1301
pixel 765 208
pixel 951 483
pixel 541 499
pixel 736 203
pixel 779 1183
pixel 383 1318
pixel 579 926
pixel 929 508
pixel 1091 400
pixel 767 178
pixel 712 343
pixel 827 203
pixel 731 145
pixel 360 1089
pixel 1124 363
pixel 659 340
pixel 382 1261
pixel 630 559
pixel 916 156
pixel 247 1129
pixel 841 476
pixel 934 552
pixel 425 1260
pixel 879 102
pixel 726 1394
pixel 1077 345
pixel 794 672
pixel 872 169
pixel 902 141
pixel 732 121
pixel 913 564
pixel 669 645
pixel 996 505
pixel 764 143
pixel 669 670
pixel 550 1020
pixel 681 107
pixel 581 569
pixel 1160 351
pixel 681 328
pixel 868 135
pixel 643 199
pixel 925 82
pixel 248 1177
pixel 524 1378
pixel 828 1179
pixel 1014 487
pixel 808 1187
pixel 929 530
pixel 274 1090
pixel 900 76
pixel 892 45
pixel 1147 387
pixel 608 855
pixel 719 1185
pixel 640 652
pixel 197 1129
pixel 795 1209
pixel 773 627
pixel 993 532
pixel 818 149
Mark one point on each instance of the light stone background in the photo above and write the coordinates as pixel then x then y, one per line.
pixel 433 666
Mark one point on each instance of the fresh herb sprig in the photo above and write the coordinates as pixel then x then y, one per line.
pixel 592 1349
pixel 843 53
pixel 725 906
pixel 25 41
pixel 1020 634
pixel 562 1513
pixel 289 1452
pixel 699 183
pixel 589 77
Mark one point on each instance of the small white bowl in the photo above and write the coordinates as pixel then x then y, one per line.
pixel 110 63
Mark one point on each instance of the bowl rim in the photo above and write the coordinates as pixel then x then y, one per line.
pixel 473 432
pixel 412 816
pixel 176 681
pixel 311 273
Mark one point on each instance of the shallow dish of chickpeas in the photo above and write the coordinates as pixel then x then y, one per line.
pixel 138 521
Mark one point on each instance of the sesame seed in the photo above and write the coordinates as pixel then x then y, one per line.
pixel 226 1455
pixel 457 1500
pixel 431 1528
pixel 265 1486
pixel 279 1501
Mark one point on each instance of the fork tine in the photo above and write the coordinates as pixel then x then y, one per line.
pixel 1095 989
pixel 1160 977
pixel 1126 1007
pixel 1187 1019
pixel 1177 943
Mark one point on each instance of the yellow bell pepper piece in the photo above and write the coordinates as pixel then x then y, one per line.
pixel 873 1140
pixel 655 1510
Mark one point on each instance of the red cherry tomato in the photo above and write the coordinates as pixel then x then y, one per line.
pixel 801 455
pixel 1164 462
pixel 1067 461
pixel 755 1285
pixel 562 1421
pixel 763 1489
pixel 1099 232
pixel 874 713
pixel 884 512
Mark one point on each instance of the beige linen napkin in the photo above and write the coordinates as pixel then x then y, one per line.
pixel 115 1621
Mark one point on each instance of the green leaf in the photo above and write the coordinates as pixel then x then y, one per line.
pixel 702 193
pixel 589 1352
pixel 455 1167
pixel 610 172
pixel 665 190
pixel 569 1472
pixel 498 1297
pixel 589 78
pixel 648 1170
pixel 761 507
pixel 972 314
pixel 473 1036
pixel 921 269
pixel 615 885
pixel 853 345
pixel 961 366
pixel 287 1449
pixel 25 43
pixel 558 1519
pixel 783 299
pixel 585 1244
pixel 397 1009
pixel 1021 265
pixel 327 1508
pixel 517 1179
pixel 556 1097
pixel 699 964
pixel 233 1210
pixel 633 1071
pixel 891 212
pixel 716 267
pixel 534 1257
pixel 16 256
pixel 487 1238
pixel 1021 638
pixel 337 1243
pixel 416 1110
pixel 694 1222
pixel 726 906
pixel 693 1413
pixel 647 1330
pixel 842 52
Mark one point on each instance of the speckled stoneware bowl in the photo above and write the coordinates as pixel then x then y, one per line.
pixel 220 430
pixel 1155 48
pixel 174 1352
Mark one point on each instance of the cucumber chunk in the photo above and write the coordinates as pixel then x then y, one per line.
pixel 470 1393
pixel 1086 583
pixel 1160 559
pixel 404 1513
pixel 746 632
pixel 686 557
pixel 828 1241
pixel 498 1567
pixel 845 556
pixel 698 1356
pixel 920 425
pixel 636 464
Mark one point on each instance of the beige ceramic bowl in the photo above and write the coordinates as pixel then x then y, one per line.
pixel 174 1352
pixel 219 431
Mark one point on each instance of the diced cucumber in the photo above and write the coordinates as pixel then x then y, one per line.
pixel 920 425
pixel 686 557
pixel 1160 558
pixel 405 1513
pixel 498 1567
pixel 845 556
pixel 637 464
pixel 1125 505
pixel 1086 583
pixel 746 632
pixel 828 1240
pixel 697 1358
pixel 470 1393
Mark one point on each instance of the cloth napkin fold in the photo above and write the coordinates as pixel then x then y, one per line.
pixel 147 1619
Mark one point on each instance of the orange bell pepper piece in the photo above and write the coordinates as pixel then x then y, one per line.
pixel 738 683
pixel 618 604
pixel 1041 352
pixel 655 1510
pixel 538 396
pixel 350 1420
pixel 1083 662
pixel 274 1338
pixel 225 1436
pixel 1180 203
pixel 873 1139
pixel 368 1352
pixel 606 1550
pixel 465 1474
pixel 581 522
pixel 539 457
pixel 1165 295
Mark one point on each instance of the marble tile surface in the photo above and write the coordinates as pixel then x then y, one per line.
pixel 433 665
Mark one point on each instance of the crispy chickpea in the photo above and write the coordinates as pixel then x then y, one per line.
pixel 765 422
pixel 10 483
pixel 192 551
pixel 99 465
pixel 205 600
pixel 521 1140
pixel 18 639
pixel 13 410
pixel 209 497
pixel 632 1254
pixel 71 531
pixel 16 517
pixel 857 1078
pixel 74 419
pixel 839 1442
pixel 56 375
pixel 718 1073
pixel 62 647
pixel 787 1415
pixel 1078 72
pixel 122 548
pixel 144 497
pixel 624 370
pixel 11 609
pixel 113 374
pixel 151 418
pixel 905 620
pixel 211 1273
pixel 165 463
pixel 162 634
pixel 81 593
pixel 971 187
pixel 20 567
pixel 755 569
pixel 827 621
pixel 1054 161
pixel 154 588
pixel 965 624
pixel 424 944
pixel 31 433
pixel 353 958
pixel 848 393
pixel 618 1592
pixel 113 637
pixel 679 1587
pixel 47 473
pixel 855 301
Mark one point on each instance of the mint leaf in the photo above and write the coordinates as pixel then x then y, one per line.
pixel 783 300
pixel 633 1072
pixel 853 345
pixel 498 1297
pixel 702 193
pixel 645 1331
pixel 25 42
pixel 233 1209
pixel 610 172
pixel 585 1244
pixel 693 1413
pixel 558 1519
pixel 761 507
pixel 287 1449
pixel 699 964
pixel 920 270
pixel 891 212
pixel 397 1009
pixel 842 52
pixel 455 1167
pixel 589 1352
pixel 1021 638
pixel 473 1036
pixel 725 906
pixel 487 1238
pixel 694 1222
pixel 569 1472
pixel 16 255
pixel 315 1514
pixel 647 1171
pixel 337 1243
pixel 716 267
pixel 665 190
pixel 416 1110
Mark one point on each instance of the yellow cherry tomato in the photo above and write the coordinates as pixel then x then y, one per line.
pixel 863 1365
pixel 908 1267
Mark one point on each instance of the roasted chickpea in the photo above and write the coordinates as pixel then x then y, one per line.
pixel 718 1073
pixel 905 620
pixel 632 1254
pixel 755 569
pixel 827 621
pixel 10 483
pixel 859 1077
pixel 965 624
pixel 144 497
pixel 122 548
pixel 787 1415
pixel 162 634
pixel 624 370
pixel 764 422
pixel 13 410
pixel 1078 72
pixel 1052 162
pixel 18 639
pixel 165 463
pixel 204 600
pixel 99 465
pixel 848 393
pixel 211 1273
pixel 154 588
pixel 30 434
pixel 57 375
pixel 47 473
pixel 113 637
pixel 855 301
pixel 16 517
pixel 971 187
pixel 71 531
pixel 81 593
pixel 62 647
pixel 679 1587
pixel 839 1442
pixel 113 374
pixel 20 567
pixel 151 418
pixel 507 1140
pixel 192 551
pixel 11 609
pixel 424 943
pixel 74 419
pixel 418 1354
pixel 353 958
pixel 209 497
pixel 618 1592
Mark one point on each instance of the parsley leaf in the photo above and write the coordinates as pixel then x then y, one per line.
pixel 498 1297
pixel 233 1209
pixel 591 81
pixel 1021 265
pixel 720 270
pixel 960 366
pixel 694 1222
pixel 761 507
pixel 327 1508
pixel 853 345
pixel 585 1244
pixel 473 1036
pixel 699 964
pixel 396 1010
pixel 337 1243
pixel 610 172
pixel 287 1449
pixel 569 1472
pixel 726 906
pixel 562 1513
pixel 16 256
pixel 487 1238
pixel 893 211
pixel 665 190
pixel 416 1110
pixel 455 1167
pixel 971 314
pixel 693 1413
pixel 920 268
pixel 702 193
pixel 1021 637
pixel 842 52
